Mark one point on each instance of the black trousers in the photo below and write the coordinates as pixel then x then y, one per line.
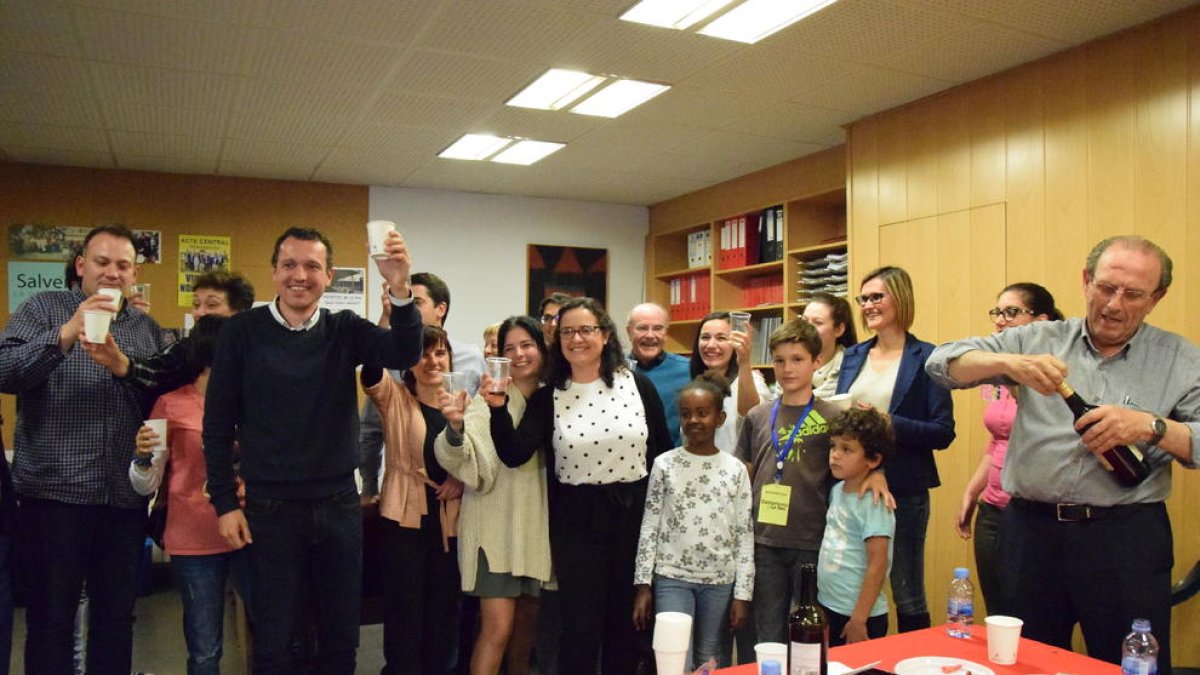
pixel 1101 573
pixel 422 595
pixel 594 541
pixel 877 626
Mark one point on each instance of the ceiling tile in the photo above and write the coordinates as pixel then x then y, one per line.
pixel 26 135
pixel 435 112
pixel 262 152
pixel 163 86
pixel 317 60
pixel 264 170
pixel 543 125
pixel 770 74
pixel 648 135
pixel 783 119
pixel 969 53
pixel 44 74
pixel 521 31
pixel 456 174
pixel 463 76
pixel 127 144
pixel 156 119
pixel 871 89
pixel 286 127
pixel 56 109
pixel 392 22
pixel 167 164
pixel 158 41
pixel 705 108
pixel 236 12
pixel 39 26
pixel 864 31
pixel 300 98
pixel 95 160
pixel 368 139
pixel 733 149
pixel 1070 22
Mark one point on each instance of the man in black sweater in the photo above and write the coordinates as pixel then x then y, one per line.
pixel 283 386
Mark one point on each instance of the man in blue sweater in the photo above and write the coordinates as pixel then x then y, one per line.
pixel 647 329
pixel 283 387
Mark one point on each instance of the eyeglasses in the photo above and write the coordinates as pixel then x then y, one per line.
pixel 1009 313
pixel 1108 291
pixel 549 318
pixel 583 331
pixel 870 299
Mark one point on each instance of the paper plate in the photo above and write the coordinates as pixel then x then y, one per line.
pixel 936 665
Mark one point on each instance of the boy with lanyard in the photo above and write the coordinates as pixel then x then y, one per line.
pixel 785 444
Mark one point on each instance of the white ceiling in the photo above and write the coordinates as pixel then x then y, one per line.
pixel 369 91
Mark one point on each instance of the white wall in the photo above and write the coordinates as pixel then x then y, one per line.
pixel 476 243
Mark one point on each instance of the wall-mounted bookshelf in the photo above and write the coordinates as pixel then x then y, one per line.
pixel 763 261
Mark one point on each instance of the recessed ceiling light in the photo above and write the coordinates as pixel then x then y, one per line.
pixel 619 97
pixel 475 146
pixel 527 152
pixel 677 14
pixel 555 89
pixel 754 20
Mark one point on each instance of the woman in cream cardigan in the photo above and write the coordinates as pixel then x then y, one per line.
pixel 504 544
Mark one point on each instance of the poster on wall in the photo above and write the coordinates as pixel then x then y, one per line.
pixel 347 291
pixel 198 254
pixel 36 241
pixel 573 270
pixel 26 279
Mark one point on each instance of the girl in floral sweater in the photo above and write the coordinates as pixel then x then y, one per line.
pixel 696 548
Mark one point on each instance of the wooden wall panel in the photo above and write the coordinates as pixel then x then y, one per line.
pixel 1103 139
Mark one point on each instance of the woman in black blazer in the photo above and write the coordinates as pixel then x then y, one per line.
pixel 887 372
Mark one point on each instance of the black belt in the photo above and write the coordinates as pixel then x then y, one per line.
pixel 1074 513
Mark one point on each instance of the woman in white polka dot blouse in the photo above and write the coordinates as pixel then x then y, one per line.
pixel 599 428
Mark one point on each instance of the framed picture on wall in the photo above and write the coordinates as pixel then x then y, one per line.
pixel 573 270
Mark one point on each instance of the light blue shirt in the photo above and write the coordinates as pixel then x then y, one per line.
pixel 842 564
pixel 669 373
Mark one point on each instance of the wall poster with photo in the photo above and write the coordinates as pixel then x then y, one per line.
pixel 37 241
pixel 573 270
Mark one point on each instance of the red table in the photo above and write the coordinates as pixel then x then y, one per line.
pixel 1032 657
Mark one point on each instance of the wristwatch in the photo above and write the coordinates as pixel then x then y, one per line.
pixel 142 461
pixel 1158 426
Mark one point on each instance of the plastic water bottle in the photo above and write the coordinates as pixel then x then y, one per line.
pixel 1139 652
pixel 960 608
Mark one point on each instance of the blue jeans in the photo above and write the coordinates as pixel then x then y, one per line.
pixel 908 555
pixel 201 581
pixel 302 550
pixel 707 604
pixel 68 544
pixel 776 588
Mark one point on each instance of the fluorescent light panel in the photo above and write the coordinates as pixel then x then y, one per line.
pixel 527 152
pixel 678 14
pixel 754 20
pixel 555 89
pixel 618 98
pixel 475 146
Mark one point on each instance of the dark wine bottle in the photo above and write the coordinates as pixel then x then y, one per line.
pixel 809 629
pixel 1124 462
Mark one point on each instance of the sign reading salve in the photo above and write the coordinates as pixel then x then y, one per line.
pixel 26 279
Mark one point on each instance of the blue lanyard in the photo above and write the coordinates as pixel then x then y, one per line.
pixel 781 453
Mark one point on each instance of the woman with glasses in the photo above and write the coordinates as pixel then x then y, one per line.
pixel 503 546
pixel 720 349
pixel 1018 305
pixel 830 315
pixel 598 427
pixel 887 373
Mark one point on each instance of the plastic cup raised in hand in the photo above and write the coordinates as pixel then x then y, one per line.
pixel 498 370
pixel 160 427
pixel 114 294
pixel 739 321
pixel 95 325
pixel 140 291
pixel 672 635
pixel 770 651
pixel 454 383
pixel 1003 637
pixel 377 233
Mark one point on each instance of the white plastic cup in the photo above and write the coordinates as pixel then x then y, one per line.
pixel 95 325
pixel 454 383
pixel 670 663
pixel 160 427
pixel 498 367
pixel 672 633
pixel 377 232
pixel 739 321
pixel 189 322
pixel 113 294
pixel 771 651
pixel 841 401
pixel 1003 638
